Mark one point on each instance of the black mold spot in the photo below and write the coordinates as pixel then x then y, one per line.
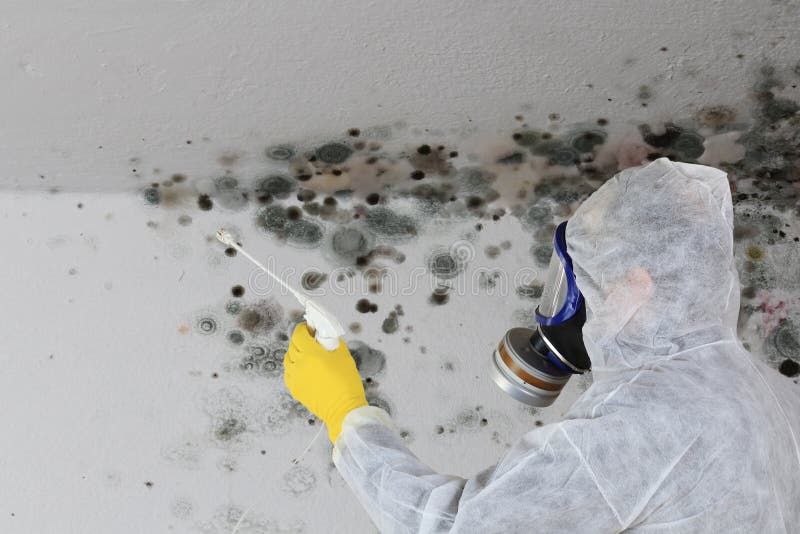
pixel 236 337
pixel 353 132
pixel 542 254
pixel 432 197
pixel 387 223
pixel 369 361
pixel 151 196
pixel 474 202
pixel 304 232
pixel 689 145
pixel 475 180
pixel 444 265
pixel 306 195
pixel 424 150
pixel 557 152
pixel 228 428
pixel 206 325
pixel 272 218
pixel 365 306
pixel 662 140
pixel 275 185
pixel 586 141
pixel 204 202
pixel 390 324
pixel 469 418
pixel 528 138
pixel 230 251
pixel 349 243
pixel 373 198
pixel 440 296
pixel 293 213
pixel 777 109
pixel 237 290
pixel 786 339
pixel 789 368
pixel 417 175
pixel 178 178
pixel 312 280
pixel 492 251
pixel 261 317
pixel 228 194
pixel 334 153
pixel 262 360
pixel 280 152
pixel 515 158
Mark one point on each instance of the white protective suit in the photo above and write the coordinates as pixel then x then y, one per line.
pixel 681 430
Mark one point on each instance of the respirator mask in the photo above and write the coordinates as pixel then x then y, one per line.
pixel 534 364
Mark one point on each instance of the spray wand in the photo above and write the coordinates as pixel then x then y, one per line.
pixel 324 326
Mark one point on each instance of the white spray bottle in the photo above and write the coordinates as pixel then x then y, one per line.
pixel 325 327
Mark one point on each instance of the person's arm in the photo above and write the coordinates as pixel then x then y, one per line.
pixel 400 493
pixel 541 485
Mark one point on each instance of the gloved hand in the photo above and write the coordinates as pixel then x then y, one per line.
pixel 325 382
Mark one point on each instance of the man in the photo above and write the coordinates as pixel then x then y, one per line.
pixel 681 430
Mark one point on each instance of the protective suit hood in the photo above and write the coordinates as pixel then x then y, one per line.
pixel 653 257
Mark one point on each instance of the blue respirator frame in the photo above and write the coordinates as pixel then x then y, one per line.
pixel 574 298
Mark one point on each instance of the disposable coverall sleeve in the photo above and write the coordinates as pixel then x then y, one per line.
pixel 530 490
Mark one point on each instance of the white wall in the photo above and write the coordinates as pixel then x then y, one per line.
pixel 107 384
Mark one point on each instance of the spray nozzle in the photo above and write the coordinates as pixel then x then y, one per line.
pixel 326 327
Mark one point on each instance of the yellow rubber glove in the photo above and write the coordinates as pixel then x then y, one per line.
pixel 325 382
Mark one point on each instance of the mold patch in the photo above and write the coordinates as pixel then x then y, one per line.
pixel 275 186
pixel 386 223
pixel 334 153
pixel 260 318
pixel 264 360
pixel 281 415
pixel 299 481
pixel 280 152
pixel 206 325
pixel 369 361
